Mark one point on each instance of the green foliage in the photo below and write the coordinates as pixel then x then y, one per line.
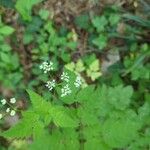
pixel 6 59
pixel 135 63
pixel 90 65
pixel 83 21
pixel 94 70
pixel 100 23
pixel 113 113
pixel 44 14
pixel 118 128
pixel 119 133
pixel 24 7
pixel 100 41
pixel 7 3
pixel 6 30
pixel 28 126
pixel 119 97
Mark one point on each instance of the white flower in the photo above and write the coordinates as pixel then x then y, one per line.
pixel 8 110
pixel 51 84
pixel 65 90
pixel 1 116
pixel 78 82
pixel 13 100
pixel 3 101
pixel 12 113
pixel 65 77
pixel 46 67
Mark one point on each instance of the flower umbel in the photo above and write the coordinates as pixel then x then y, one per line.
pixel 12 113
pixel 8 110
pixel 51 84
pixel 3 101
pixel 12 100
pixel 78 82
pixel 65 91
pixel 46 67
pixel 65 77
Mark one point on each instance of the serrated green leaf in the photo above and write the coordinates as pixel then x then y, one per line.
pixel 79 66
pixel 100 23
pixel 119 133
pixel 120 96
pixel 94 70
pixel 101 41
pixel 62 119
pixel 25 128
pixel 114 19
pixel 40 105
pixel 70 66
pixel 96 144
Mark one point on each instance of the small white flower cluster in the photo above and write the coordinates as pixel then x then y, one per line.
pixel 78 82
pixel 65 90
pixel 46 67
pixel 51 84
pixel 3 101
pixel 65 77
pixel 12 112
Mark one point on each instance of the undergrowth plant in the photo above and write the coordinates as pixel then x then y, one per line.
pixel 82 118
pixel 9 60
pixel 80 106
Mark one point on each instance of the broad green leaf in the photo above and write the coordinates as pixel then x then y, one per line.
pixel 70 66
pixel 44 14
pixel 27 38
pixel 40 105
pixel 25 128
pixel 94 70
pixel 24 7
pixel 65 139
pixel 96 144
pixel 120 96
pixel 79 66
pixel 119 133
pixel 6 30
pixel 114 19
pixel 62 119
pixel 84 94
pixel 86 116
pixel 5 57
pixel 94 66
pixel 100 23
pixel 95 75
pixel 101 41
